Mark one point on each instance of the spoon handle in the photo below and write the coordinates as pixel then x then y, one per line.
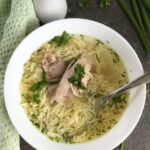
pixel 141 80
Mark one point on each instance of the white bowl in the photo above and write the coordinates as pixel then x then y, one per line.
pixel 33 41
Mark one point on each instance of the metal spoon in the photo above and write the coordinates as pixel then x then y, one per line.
pixel 140 80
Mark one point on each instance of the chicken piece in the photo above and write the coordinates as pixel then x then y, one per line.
pixel 66 89
pixel 63 91
pixel 53 67
pixel 51 89
pixel 89 67
pixel 48 60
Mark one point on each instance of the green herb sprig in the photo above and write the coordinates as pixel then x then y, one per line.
pixel 78 75
pixel 62 39
pixel 36 88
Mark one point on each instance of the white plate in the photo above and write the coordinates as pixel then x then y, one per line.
pixel 33 41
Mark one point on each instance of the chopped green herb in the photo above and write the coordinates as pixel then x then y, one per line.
pixel 36 89
pixel 26 96
pixel 84 4
pixel 38 86
pixel 76 78
pixel 67 137
pixel 116 58
pixel 99 42
pixel 79 70
pixel 123 74
pixel 104 3
pixel 82 36
pixel 121 106
pixel 110 105
pixel 36 124
pixel 89 138
pixel 114 61
pixel 40 49
pixel 62 39
pixel 97 95
pixel 121 83
pixel 109 127
pixel 119 99
pixel 36 98
pixel 57 139
pixel 97 58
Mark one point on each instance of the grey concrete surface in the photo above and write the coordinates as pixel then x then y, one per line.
pixel 117 20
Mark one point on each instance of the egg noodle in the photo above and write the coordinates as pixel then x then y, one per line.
pixel 77 119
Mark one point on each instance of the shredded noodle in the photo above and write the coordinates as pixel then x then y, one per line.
pixel 77 119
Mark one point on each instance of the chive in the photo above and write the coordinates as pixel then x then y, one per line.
pixel 148 14
pixel 145 16
pixel 121 147
pixel 138 16
pixel 61 40
pixel 135 24
pixel 146 3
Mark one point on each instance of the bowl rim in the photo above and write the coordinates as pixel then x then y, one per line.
pixel 42 28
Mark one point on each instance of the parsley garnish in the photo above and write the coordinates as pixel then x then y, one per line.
pixel 76 78
pixel 62 39
pixel 36 98
pixel 36 89
pixel 38 86
pixel 119 99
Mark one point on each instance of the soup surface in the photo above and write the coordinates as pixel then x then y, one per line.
pixel 61 87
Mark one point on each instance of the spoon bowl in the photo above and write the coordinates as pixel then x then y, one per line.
pixel 140 80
